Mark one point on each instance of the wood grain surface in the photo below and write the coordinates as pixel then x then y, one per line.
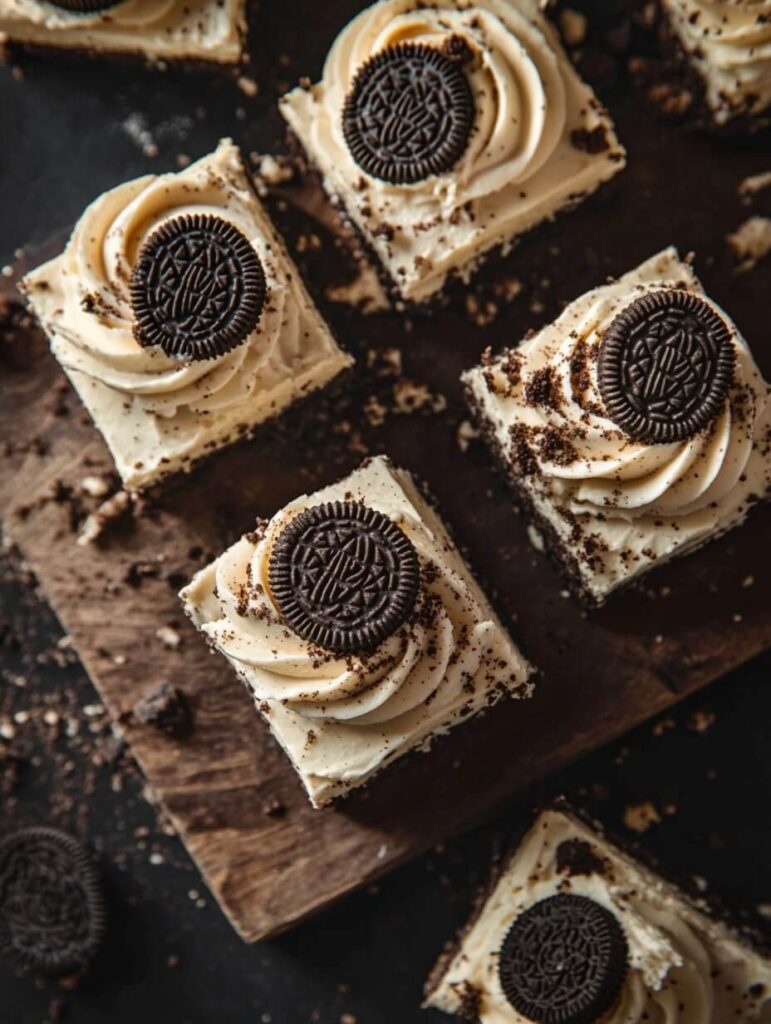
pixel 267 856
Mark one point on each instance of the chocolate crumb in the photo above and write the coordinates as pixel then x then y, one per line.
pixel 166 708
pixel 577 857
pixel 542 389
pixel 470 1002
pixel 274 808
pixel 592 140
pixel 556 448
pixel 457 49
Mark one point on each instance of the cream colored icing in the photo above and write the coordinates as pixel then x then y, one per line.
pixel 452 654
pixel 200 29
pixel 519 165
pixel 173 408
pixel 683 967
pixel 638 498
pixel 729 42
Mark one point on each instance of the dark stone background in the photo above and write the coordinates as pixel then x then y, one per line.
pixel 66 129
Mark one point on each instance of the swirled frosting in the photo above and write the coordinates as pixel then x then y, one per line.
pixel 174 408
pixel 683 967
pixel 729 42
pixel 640 501
pixel 520 164
pixel 449 659
pixel 199 29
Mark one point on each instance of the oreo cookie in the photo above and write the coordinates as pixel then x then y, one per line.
pixel 563 961
pixel 52 914
pixel 85 6
pixel 409 114
pixel 344 576
pixel 665 366
pixel 198 288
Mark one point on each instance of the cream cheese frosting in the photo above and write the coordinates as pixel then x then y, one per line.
pixel 630 503
pixel 211 30
pixel 341 719
pixel 527 156
pixel 158 413
pixel 729 42
pixel 683 967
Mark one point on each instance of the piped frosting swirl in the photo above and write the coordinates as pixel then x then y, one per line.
pixel 565 434
pixel 515 78
pixel 437 647
pixel 95 322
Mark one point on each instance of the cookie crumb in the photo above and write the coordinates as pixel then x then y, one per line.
pixel 640 817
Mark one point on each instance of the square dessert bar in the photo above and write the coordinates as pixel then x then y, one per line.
pixel 573 930
pixel 205 30
pixel 446 129
pixel 728 43
pixel 634 428
pixel 357 627
pixel 179 317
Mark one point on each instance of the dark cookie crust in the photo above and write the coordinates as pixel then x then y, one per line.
pixel 665 366
pixel 563 961
pixel 563 559
pixel 52 915
pixel 198 288
pixel 409 114
pixel 344 576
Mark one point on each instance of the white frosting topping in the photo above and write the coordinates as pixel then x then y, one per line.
pixel 527 102
pixel 450 655
pixel 730 43
pixel 515 78
pixel 206 29
pixel 440 645
pixel 96 321
pixel 683 968
pixel 544 401
pixel 165 408
pixel 595 463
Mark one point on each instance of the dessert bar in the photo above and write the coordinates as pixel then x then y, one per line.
pixel 634 428
pixel 179 317
pixel 357 627
pixel 728 44
pixel 574 931
pixel 200 30
pixel 444 130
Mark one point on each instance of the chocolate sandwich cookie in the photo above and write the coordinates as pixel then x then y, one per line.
pixel 84 6
pixel 665 366
pixel 344 576
pixel 409 113
pixel 198 288
pixel 563 961
pixel 52 914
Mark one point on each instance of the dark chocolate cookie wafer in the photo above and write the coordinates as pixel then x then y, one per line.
pixel 666 364
pixel 85 6
pixel 563 961
pixel 409 114
pixel 344 576
pixel 51 906
pixel 198 288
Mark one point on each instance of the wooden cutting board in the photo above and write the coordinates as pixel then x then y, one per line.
pixel 268 857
